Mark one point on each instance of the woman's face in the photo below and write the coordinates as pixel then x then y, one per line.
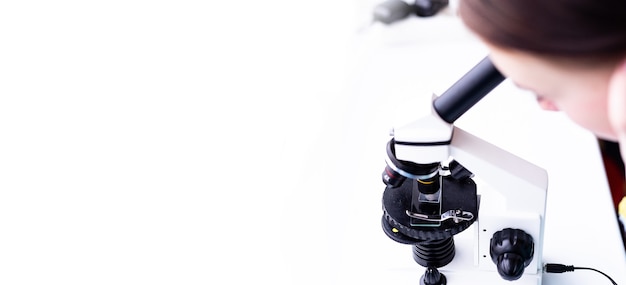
pixel 579 92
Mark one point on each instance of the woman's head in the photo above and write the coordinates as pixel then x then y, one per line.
pixel 563 50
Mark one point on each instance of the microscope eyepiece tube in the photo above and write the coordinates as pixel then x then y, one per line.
pixel 468 90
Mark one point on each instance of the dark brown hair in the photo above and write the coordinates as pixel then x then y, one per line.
pixel 557 28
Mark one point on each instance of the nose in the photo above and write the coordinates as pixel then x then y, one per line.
pixel 546 104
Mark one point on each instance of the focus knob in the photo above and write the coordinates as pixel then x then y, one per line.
pixel 511 250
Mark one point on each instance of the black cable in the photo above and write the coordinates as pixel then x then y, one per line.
pixel 560 268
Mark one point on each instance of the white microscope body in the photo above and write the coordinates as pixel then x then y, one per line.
pixel 509 226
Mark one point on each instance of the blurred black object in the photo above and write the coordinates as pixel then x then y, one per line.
pixel 392 11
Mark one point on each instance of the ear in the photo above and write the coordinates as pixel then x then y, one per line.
pixel 617 103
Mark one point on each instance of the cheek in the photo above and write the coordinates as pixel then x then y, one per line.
pixel 590 114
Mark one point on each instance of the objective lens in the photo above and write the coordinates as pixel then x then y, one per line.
pixel 392 178
pixel 429 186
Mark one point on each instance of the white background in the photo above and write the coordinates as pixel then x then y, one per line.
pixel 140 140
pixel 200 142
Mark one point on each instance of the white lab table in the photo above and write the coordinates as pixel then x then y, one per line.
pixel 341 241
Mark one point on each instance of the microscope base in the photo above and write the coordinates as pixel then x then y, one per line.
pixel 464 269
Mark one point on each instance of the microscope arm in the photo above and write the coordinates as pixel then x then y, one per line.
pixel 522 183
pixel 512 176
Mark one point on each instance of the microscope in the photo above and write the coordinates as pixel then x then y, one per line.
pixel 441 180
